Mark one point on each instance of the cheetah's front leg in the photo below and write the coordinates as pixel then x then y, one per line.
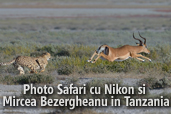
pixel 33 70
pixel 42 67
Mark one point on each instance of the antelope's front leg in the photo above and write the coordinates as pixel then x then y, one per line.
pixel 144 57
pixel 136 56
pixel 140 59
pixel 95 53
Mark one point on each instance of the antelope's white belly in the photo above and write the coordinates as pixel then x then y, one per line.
pixel 102 58
pixel 120 59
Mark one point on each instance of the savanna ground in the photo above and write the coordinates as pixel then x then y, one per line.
pixel 72 32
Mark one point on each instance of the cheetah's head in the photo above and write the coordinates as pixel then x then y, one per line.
pixel 47 56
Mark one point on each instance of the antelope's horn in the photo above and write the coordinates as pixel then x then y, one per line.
pixel 142 38
pixel 137 39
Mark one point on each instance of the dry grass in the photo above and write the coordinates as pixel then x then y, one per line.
pixel 86 111
pixel 93 23
pixel 82 4
pixel 115 75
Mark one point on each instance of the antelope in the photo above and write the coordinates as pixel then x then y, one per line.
pixel 122 53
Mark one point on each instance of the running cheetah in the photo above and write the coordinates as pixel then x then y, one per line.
pixel 33 63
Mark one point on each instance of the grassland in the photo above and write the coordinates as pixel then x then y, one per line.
pixel 84 4
pixel 94 23
pixel 71 59
pixel 96 31
pixel 71 44
pixel 71 41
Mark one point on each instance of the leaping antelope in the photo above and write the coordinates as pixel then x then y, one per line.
pixel 121 53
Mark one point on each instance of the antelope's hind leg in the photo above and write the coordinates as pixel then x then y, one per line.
pixel 90 60
pixel 99 55
pixel 96 58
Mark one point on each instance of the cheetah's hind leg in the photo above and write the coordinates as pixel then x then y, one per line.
pixel 32 71
pixel 21 70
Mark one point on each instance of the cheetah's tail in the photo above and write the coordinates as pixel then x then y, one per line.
pixel 8 63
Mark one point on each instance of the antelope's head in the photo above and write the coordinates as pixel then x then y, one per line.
pixel 144 49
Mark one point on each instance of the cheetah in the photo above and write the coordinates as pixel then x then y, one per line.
pixel 33 63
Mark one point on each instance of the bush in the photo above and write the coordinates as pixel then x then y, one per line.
pixel 116 67
pixel 7 80
pixel 65 70
pixel 49 48
pixel 26 79
pixel 63 53
pixel 154 83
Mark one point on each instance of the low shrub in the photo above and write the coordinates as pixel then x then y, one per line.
pixel 154 83
pixel 65 70
pixel 63 53
pixel 67 59
pixel 26 79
